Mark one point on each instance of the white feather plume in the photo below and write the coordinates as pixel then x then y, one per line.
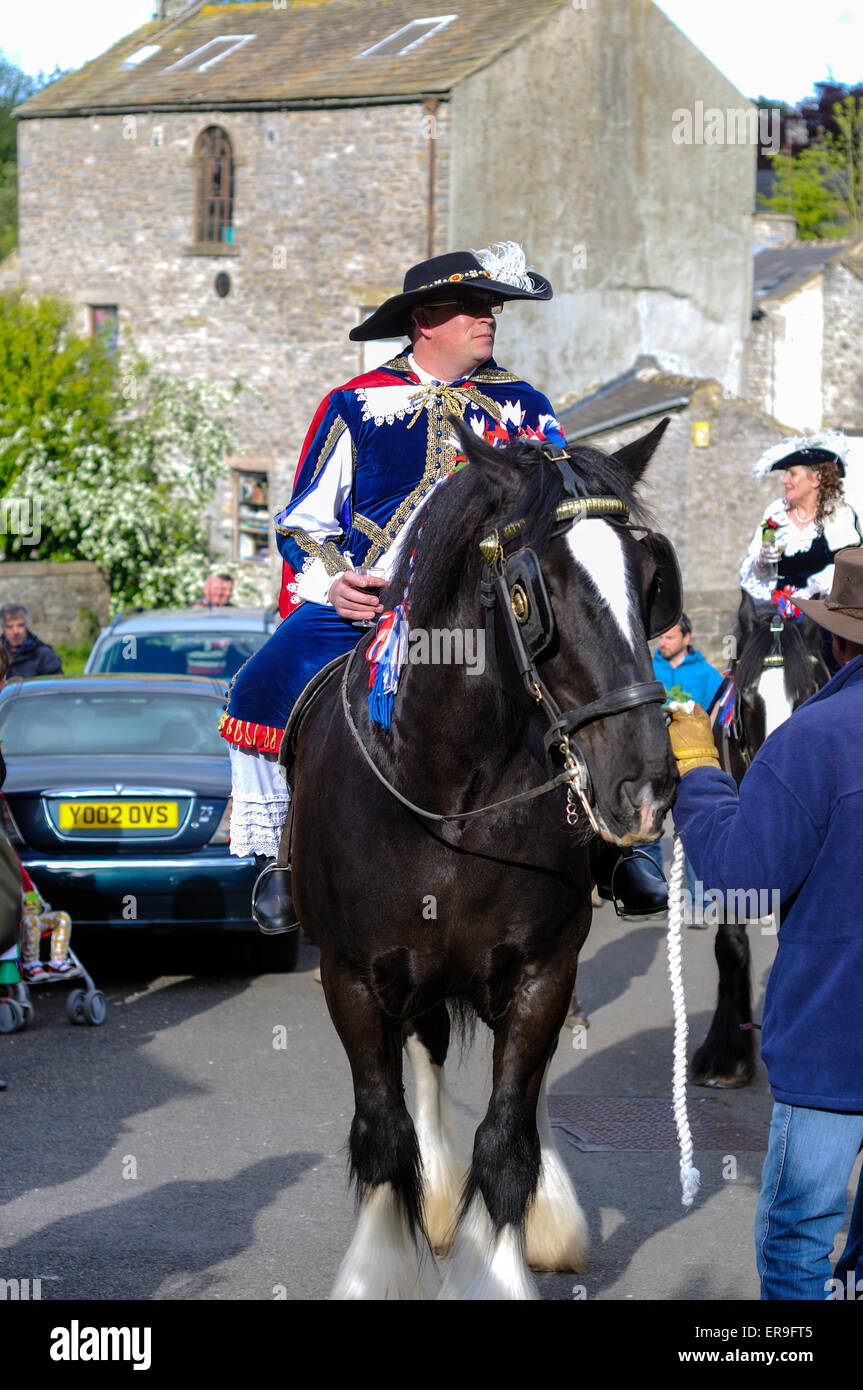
pixel 505 261
pixel 832 440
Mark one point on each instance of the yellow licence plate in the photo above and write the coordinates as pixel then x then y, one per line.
pixel 118 815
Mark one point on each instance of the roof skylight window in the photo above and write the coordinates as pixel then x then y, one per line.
pixel 141 55
pixel 410 36
pixel 213 52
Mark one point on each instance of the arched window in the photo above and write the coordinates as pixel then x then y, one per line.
pixel 214 186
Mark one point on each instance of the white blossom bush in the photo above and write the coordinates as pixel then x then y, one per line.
pixel 137 510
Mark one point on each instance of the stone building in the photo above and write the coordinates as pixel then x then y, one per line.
pixel 699 483
pixel 238 184
pixel 804 359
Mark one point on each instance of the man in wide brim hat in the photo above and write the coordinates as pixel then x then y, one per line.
pixel 842 612
pixel 377 447
pixel 793 829
pixel 502 275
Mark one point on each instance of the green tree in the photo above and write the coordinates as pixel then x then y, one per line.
pixel 49 376
pixel 846 150
pixel 115 461
pixel 805 186
pixel 822 185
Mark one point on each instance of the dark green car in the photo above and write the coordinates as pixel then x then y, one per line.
pixel 117 799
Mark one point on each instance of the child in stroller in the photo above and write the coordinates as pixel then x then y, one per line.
pixel 37 920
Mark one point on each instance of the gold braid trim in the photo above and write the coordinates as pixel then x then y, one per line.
pixel 337 429
pixel 334 561
pixel 374 533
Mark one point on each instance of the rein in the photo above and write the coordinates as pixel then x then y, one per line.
pixel 518 586
pixel 562 777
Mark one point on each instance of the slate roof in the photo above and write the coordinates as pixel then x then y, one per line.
pixel 781 269
pixel 644 390
pixel 307 53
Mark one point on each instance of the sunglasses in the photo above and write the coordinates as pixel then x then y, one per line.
pixel 470 305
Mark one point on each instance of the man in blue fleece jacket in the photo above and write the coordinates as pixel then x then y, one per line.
pixel 796 827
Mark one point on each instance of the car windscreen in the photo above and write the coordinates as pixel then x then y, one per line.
pixel 94 722
pixel 212 653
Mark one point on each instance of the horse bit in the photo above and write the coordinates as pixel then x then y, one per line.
pixel 517 585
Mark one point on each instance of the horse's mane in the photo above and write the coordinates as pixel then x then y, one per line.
pixel 470 502
pixel 798 669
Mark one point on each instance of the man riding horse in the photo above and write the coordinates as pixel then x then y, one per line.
pixel 374 452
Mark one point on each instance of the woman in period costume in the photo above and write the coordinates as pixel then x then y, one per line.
pixel 793 548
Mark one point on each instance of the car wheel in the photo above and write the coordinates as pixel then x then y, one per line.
pixel 277 955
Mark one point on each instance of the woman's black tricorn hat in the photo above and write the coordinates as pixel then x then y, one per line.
pixel 500 270
pixel 808 450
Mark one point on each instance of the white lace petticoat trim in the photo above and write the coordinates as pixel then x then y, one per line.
pixel 256 825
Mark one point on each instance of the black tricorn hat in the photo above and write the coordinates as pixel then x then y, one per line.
pixel 501 272
pixel 810 450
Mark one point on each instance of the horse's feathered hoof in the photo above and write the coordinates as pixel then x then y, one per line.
pixel 724 1083
pixel 272 904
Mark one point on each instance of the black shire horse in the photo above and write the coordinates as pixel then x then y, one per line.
pixel 778 667
pixel 487 912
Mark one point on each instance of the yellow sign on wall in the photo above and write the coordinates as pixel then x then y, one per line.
pixel 701 433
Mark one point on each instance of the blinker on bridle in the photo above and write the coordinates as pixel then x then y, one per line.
pixel 516 585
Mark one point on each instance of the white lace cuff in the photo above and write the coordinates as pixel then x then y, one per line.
pixel 312 584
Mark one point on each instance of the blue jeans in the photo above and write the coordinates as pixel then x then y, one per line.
pixel 803 1200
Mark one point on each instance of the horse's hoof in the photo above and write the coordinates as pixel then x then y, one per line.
pixel 723 1083
pixel 576 1019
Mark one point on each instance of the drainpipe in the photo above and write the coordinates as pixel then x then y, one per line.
pixel 430 124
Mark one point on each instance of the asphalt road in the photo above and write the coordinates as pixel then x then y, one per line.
pixel 193 1148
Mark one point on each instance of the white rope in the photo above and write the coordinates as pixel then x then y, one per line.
pixel 690 1178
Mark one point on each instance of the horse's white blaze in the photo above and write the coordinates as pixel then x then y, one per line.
pixel 556 1235
pixel 777 706
pixel 485 1266
pixel 383 1260
pixel 443 1167
pixel 597 547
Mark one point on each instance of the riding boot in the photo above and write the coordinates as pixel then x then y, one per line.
pixel 629 879
pixel 272 904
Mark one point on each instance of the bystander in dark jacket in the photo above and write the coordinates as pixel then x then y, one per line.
pixel 29 655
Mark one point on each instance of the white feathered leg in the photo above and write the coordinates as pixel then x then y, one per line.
pixel 556 1235
pixel 383 1260
pixel 443 1168
pixel 485 1266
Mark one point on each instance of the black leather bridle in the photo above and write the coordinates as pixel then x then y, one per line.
pixel 517 586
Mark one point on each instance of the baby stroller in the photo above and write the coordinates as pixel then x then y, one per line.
pixel 85 1004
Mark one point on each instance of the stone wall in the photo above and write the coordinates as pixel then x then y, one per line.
pixel 843 348
pixel 566 143
pixel 707 502
pixel 330 210
pixel 60 598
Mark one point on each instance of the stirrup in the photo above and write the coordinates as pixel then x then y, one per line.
pixel 272 904
pixel 634 887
